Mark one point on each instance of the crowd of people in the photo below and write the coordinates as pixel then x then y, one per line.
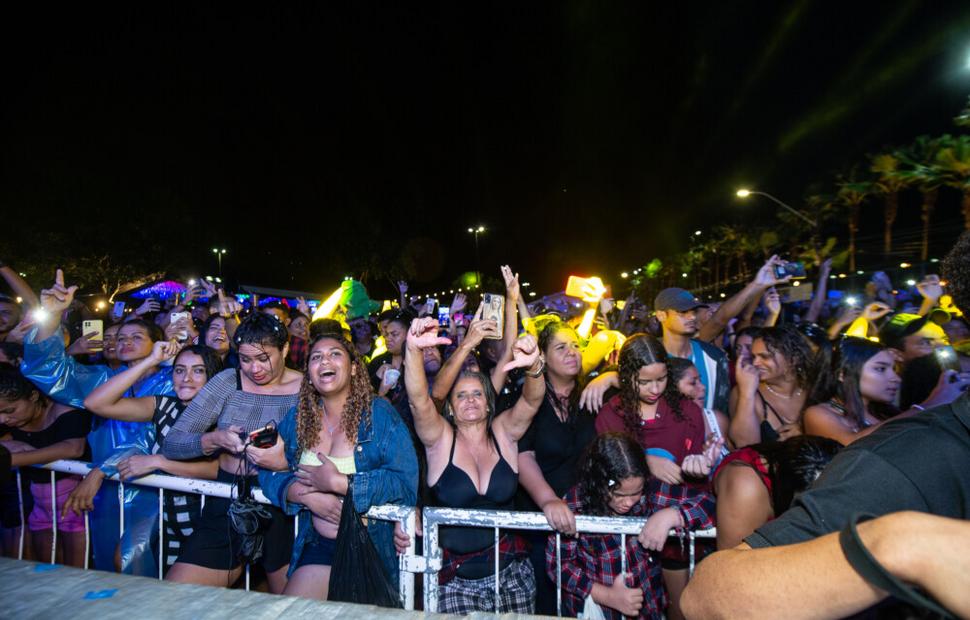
pixel 775 422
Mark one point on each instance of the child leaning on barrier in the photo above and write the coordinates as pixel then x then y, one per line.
pixel 613 475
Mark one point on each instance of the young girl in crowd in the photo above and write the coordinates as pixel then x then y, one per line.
pixel 192 367
pixel 42 431
pixel 865 390
pixel 672 431
pixel 613 482
pixel 684 376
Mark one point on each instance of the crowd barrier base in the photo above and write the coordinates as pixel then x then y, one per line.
pixel 41 590
pixel 411 563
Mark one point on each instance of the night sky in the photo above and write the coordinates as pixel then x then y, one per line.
pixel 587 137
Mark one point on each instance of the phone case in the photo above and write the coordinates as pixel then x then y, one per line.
pixel 493 308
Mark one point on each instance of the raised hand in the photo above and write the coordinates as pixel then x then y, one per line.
pixel 402 286
pixel 423 334
pixel 511 282
pixel 875 311
pixel 149 305
pixel 772 301
pixel 85 345
pixel 57 298
pixel 930 288
pixel 303 307
pixel 458 304
pixel 766 275
pixel 164 350
pixel 525 353
pixel 747 376
pixel 480 328
pixel 208 287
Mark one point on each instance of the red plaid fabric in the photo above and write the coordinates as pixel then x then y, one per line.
pixel 596 558
pixel 510 547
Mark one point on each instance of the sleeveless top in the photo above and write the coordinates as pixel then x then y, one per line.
pixel 768 433
pixel 455 489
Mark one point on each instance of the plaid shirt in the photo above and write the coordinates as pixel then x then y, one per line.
pixel 595 558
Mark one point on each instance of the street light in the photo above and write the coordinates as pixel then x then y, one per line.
pixel 477 230
pixel 744 193
pixel 219 252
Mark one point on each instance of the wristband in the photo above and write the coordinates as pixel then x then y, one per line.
pixel 538 373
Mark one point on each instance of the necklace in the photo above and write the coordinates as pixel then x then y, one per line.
pixel 326 422
pixel 794 394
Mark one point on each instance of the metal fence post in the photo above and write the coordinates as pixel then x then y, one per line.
pixel 54 514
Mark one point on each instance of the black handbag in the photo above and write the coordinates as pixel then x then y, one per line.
pixel 357 574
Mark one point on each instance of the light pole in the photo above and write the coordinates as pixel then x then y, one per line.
pixel 219 252
pixel 744 193
pixel 477 230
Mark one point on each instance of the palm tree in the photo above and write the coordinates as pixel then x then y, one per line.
pixel 919 169
pixel 888 183
pixel 953 163
pixel 852 194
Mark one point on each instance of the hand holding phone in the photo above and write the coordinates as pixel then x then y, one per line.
pixel 493 309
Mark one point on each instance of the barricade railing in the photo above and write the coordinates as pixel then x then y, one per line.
pixel 411 563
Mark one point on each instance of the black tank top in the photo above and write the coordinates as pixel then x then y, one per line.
pixel 768 433
pixel 455 489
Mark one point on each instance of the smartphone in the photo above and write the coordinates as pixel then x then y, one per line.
pixel 95 328
pixel 575 286
pixel 183 335
pixel 947 358
pixel 264 437
pixel 493 308
pixel 119 310
pixel 443 312
pixel 794 269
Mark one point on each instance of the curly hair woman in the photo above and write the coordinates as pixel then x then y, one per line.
pixel 613 477
pixel 772 389
pixel 670 428
pixel 339 436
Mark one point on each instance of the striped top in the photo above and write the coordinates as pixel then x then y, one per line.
pixel 222 403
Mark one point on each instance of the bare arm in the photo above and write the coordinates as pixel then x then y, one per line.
pixel 510 329
pixel 108 399
pixel 745 427
pixel 516 421
pixel 743 504
pixel 67 449
pixel 19 286
pixel 764 279
pixel 206 469
pixel 813 579
pixel 821 291
pixel 445 378
pixel 428 424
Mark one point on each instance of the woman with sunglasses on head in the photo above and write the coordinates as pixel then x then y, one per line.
pixel 339 437
pixel 237 402
pixel 473 462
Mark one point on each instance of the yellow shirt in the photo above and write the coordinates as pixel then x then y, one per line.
pixel 344 464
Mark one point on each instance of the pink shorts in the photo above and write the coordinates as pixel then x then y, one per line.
pixel 41 517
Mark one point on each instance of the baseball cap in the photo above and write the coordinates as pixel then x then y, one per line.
pixel 676 299
pixel 903 324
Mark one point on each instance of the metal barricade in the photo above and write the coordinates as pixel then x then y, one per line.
pixel 411 564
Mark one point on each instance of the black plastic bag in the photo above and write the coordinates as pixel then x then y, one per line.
pixel 357 574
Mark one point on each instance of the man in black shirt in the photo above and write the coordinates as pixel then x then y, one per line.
pixel 794 566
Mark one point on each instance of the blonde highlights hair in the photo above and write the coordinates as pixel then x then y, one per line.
pixel 310 409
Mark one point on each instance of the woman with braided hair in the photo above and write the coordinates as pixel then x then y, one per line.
pixel 339 436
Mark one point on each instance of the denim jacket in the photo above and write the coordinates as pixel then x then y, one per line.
pixel 387 473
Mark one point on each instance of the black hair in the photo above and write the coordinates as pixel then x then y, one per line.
pixel 487 391
pixel 850 356
pixel 607 461
pixel 552 325
pixel 14 386
pixel 956 272
pixel 823 382
pixel 327 327
pixel 677 367
pixel 275 305
pixel 262 329
pixel 207 323
pixel 794 464
pixel 155 332
pixel 638 351
pixel 12 350
pixel 210 359
pixel 920 375
pixel 792 346
pixel 751 330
